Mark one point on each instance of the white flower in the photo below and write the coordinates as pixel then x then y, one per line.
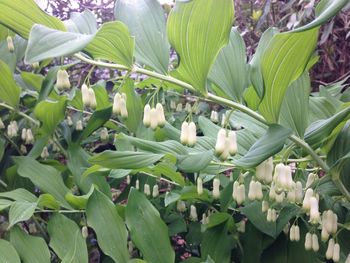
pixel 192 134
pixel 336 252
pixel 137 184
pixel 330 248
pixel 199 186
pixel 24 134
pixel 147 189
pixel 348 259
pixel 188 107
pixel 85 95
pixel 160 115
pixel 264 206
pixel 193 213
pixel 314 212
pixel 104 134
pixel 179 107
pixel 181 206
pixel 123 108
pixel 2 125
pixel 154 120
pixel 84 232
pixel 306 202
pixel 155 191
pixel 232 142
pixel 128 179
pixel 308 241
pixel 264 171
pixel 79 125
pixel 184 133
pixel 62 82
pixel 69 121
pixel 310 179
pixel 216 188
pixel 116 104
pixel 220 142
pixel 10 44
pixel 147 116
pixel 214 116
pixel 315 245
pixel 29 137
pixel 45 153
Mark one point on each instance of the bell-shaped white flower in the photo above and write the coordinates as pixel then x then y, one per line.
pixel 315 244
pixel 2 125
pixel 184 133
pixel 62 82
pixel 306 202
pixel 216 188
pixel 264 171
pixel 336 252
pixel 214 116
pixel 123 107
pixel 330 249
pixel 179 107
pixel 314 211
pixel 188 107
pixel 199 186
pixel 298 192
pixel 79 125
pixel 264 206
pixel 155 191
pixel 193 213
pixel 154 119
pixel 310 179
pixel 220 142
pixel 85 232
pixel 147 116
pixel 69 121
pixel 137 184
pixel 10 45
pixel 292 233
pixel 24 134
pixel 104 134
pixel 240 198
pixel 232 142
pixel 192 134
pixel 147 189
pixel 296 233
pixel 308 241
pixel 85 95
pixel 181 206
pixel 29 137
pixel 44 153
pixel 116 104
pixel 160 115
pixel 128 179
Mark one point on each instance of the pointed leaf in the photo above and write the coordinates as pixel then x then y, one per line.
pixel 83 23
pixel 9 91
pixel 21 211
pixel 198 30
pixel 109 227
pixel 146 22
pixel 8 253
pixel 148 232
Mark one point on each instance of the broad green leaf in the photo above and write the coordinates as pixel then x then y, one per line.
pixel 251 98
pixel 47 178
pixel 284 60
pixel 48 201
pixel 318 131
pixel 44 43
pixel 325 10
pixel 50 114
pixel 133 105
pixel 48 83
pixel 21 211
pixel 146 22
pixel 198 30
pixel 66 239
pixel 9 91
pixel 165 147
pixel 255 64
pixel 125 159
pixel 320 108
pixel 112 236
pixel 113 42
pixel 8 253
pixel 20 16
pixel 101 94
pixel 32 80
pixel 77 164
pixel 83 23
pixel 19 194
pixel 97 119
pixel 230 70
pixel 4 204
pixel 195 161
pixel 269 144
pixel 79 202
pixel 148 232
pixel 295 106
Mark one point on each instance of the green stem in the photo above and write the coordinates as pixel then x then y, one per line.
pixel 20 113
pixel 211 97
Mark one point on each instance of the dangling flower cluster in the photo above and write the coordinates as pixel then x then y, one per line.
pixel 188 133
pixel 310 205
pixel 333 251
pixel 255 190
pixel 12 129
pixel 329 224
pixel 294 233
pixel 88 96
pixel 27 136
pixel 310 179
pixel 10 44
pixel 283 177
pixel 238 193
pixel 62 82
pixel 216 188
pixel 226 144
pixel 271 215
pixel 214 116
pixel 264 171
pixel 311 242
pixel 154 117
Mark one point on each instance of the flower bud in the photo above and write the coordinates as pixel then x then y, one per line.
pixel 23 149
pixel 62 82
pixel 2 125
pixel 216 188
pixel 193 213
pixel 251 192
pixel 214 116
pixel 160 115
pixel 330 248
pixel 123 108
pixel 280 197
pixel 336 252
pixel 155 191
pixel 172 105
pixel 137 184
pixel 45 153
pixel 306 202
pixel 147 190
pixel 232 142
pixel 240 198
pixel 179 107
pixel 264 206
pixel 85 232
pixel 258 191
pixel 308 241
pixel 104 134
pixel 235 190
pixel 128 179
pixel 292 233
pixel 147 116
pixel 188 107
pixel 192 134
pixel 220 142
pixel 199 186
pixel 315 245
pixel 29 137
pixel 92 98
pixel 10 44
pixel 181 206
pixel 184 133
pixel 153 119
pixel 116 104
pixel 24 134
pixel 85 95
pixel 241 227
pixel 314 212
pixel 310 179
pixel 79 125
pixel 296 233
pixel 298 192
pixel 69 121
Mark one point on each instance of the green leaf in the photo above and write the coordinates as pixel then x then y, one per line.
pixel 4 204
pixel 83 23
pixel 50 114
pixel 101 94
pixel 48 83
pixel 97 119
pixel 32 80
pixel 30 249
pixel 198 30
pixel 146 22
pixel 125 159
pixel 230 71
pixel 79 202
pixel 325 10
pixel 66 240
pixel 148 232
pixel 21 211
pixel 19 194
pixel 9 91
pixel 134 106
pixel 47 178
pixel 109 227
pixel 113 42
pixel 195 162
pixel 20 16
pixel 284 60
pixel 318 131
pixel 48 201
pixel 271 143
pixel 8 253
pixel 295 106
pixel 45 43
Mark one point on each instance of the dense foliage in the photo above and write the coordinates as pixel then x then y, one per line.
pixel 181 151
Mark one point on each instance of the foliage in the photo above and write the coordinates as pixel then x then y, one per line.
pixel 189 153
